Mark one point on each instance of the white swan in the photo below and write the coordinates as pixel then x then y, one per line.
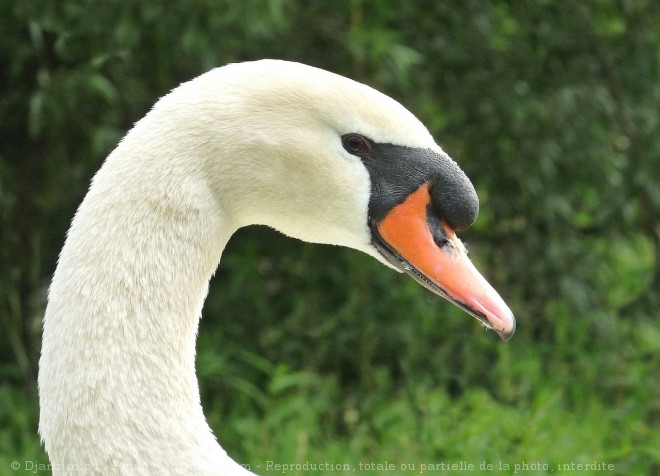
pixel 315 155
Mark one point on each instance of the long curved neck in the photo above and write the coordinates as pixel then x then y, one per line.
pixel 117 373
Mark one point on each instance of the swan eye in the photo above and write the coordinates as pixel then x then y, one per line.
pixel 355 144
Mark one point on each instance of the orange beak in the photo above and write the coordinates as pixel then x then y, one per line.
pixel 441 264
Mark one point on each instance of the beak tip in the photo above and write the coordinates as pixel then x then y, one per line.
pixel 506 335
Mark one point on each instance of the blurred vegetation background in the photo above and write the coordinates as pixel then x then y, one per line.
pixel 312 353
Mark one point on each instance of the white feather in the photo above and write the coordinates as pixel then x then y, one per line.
pixel 249 143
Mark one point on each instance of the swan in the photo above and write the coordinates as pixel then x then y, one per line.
pixel 315 155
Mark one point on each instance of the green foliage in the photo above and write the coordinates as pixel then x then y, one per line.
pixel 311 353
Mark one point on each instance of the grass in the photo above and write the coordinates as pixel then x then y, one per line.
pixel 421 430
pixel 307 424
pixel 374 385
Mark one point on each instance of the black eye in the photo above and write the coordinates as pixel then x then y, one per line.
pixel 355 144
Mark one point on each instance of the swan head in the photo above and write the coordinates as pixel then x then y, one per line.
pixel 338 162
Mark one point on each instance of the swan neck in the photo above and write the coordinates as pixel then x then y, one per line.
pixel 117 373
